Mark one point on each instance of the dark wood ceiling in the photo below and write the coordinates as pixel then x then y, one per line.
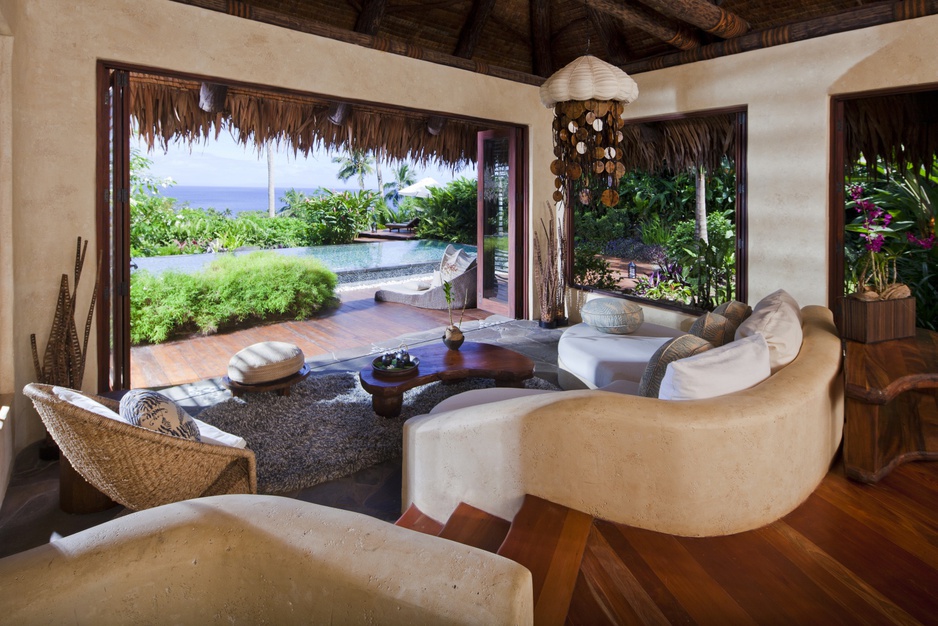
pixel 527 40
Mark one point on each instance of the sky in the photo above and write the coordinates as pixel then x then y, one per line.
pixel 224 163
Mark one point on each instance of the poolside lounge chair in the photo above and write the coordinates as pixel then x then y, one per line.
pixel 399 226
pixel 456 267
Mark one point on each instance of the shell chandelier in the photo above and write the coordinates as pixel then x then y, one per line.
pixel 588 97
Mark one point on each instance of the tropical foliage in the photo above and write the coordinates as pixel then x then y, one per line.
pixel 449 213
pixel 890 233
pixel 233 290
pixel 356 163
pixel 332 217
pixel 654 223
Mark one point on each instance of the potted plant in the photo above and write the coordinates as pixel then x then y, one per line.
pixel 453 336
pixel 882 307
pixel 548 265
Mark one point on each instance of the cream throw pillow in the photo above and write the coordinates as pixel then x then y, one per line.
pixel 736 366
pixel 777 317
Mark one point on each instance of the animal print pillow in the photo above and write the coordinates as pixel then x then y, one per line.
pixel 154 411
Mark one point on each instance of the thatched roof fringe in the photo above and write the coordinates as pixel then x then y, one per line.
pixel 899 128
pixel 679 144
pixel 167 110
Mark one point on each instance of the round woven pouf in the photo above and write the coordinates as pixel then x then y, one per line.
pixel 266 366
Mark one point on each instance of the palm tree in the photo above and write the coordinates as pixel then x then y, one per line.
pixel 403 176
pixel 356 162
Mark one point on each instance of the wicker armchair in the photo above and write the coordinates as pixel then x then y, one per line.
pixel 137 467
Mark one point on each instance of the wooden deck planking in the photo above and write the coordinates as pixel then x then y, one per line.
pixel 358 321
pixel 850 554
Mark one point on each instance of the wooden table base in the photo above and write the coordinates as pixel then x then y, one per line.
pixel 473 360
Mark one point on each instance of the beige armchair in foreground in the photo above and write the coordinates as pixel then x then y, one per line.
pixel 137 467
pixel 260 560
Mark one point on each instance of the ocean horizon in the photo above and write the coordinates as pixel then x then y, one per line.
pixel 235 199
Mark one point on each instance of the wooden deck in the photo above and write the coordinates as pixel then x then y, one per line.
pixel 851 554
pixel 358 321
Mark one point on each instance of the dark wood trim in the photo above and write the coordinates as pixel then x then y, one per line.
pixel 383 44
pixel 518 227
pixel 863 17
pixel 835 212
pixel 702 14
pixel 742 205
pixel 472 30
pixel 652 23
pixel 542 60
pixel 370 16
pixel 102 230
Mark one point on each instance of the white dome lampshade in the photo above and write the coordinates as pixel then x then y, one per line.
pixel 588 78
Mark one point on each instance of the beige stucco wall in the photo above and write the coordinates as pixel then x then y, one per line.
pixel 53 78
pixel 6 255
pixel 787 91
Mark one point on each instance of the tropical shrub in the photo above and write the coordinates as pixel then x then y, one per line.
pixel 591 269
pixel 333 217
pixel 232 290
pixel 449 213
pixel 709 268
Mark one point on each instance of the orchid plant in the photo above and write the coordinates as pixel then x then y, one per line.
pixel 884 240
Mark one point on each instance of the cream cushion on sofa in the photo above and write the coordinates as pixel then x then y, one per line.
pixel 678 348
pixel 600 358
pixel 613 315
pixel 265 362
pixel 776 317
pixel 730 368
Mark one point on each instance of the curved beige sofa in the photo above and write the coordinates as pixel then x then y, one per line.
pixel 695 468
pixel 259 559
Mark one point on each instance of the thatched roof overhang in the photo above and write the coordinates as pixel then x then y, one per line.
pixel 898 128
pixel 167 110
pixel 678 144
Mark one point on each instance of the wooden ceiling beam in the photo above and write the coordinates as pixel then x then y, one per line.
pixel 863 17
pixel 370 16
pixel 472 29
pixel 610 36
pixel 384 44
pixel 652 23
pixel 541 59
pixel 702 14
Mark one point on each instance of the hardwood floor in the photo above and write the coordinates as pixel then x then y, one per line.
pixel 358 321
pixel 851 554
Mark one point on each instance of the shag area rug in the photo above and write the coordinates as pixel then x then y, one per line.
pixel 325 428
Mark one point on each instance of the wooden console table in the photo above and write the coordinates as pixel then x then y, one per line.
pixel 891 404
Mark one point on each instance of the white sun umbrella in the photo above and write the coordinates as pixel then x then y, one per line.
pixel 420 189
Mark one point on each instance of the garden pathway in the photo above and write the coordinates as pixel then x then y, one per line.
pixel 358 321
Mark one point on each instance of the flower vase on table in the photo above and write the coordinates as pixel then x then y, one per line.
pixel 453 337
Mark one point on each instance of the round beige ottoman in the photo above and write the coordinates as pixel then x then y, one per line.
pixel 266 366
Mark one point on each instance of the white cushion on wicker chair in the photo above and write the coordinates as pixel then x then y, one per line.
pixel 218 437
pixel 84 402
pixel 154 411
pixel 265 362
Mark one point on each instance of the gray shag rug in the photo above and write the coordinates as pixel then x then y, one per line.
pixel 325 428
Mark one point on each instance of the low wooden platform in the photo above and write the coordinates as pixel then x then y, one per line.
pixel 385 235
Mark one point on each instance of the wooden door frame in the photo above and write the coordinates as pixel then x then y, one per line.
pixel 113 202
pixel 517 217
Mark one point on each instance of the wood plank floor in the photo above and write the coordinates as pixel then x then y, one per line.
pixel 358 321
pixel 851 554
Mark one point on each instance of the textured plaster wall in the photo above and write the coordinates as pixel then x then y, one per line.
pixel 6 254
pixel 787 91
pixel 54 85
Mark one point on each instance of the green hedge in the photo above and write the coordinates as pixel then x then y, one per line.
pixel 232 290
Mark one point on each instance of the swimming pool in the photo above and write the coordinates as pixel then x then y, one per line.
pixel 352 262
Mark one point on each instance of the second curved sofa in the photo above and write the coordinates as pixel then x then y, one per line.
pixel 695 468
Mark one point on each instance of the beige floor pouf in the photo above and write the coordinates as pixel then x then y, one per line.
pixel 266 366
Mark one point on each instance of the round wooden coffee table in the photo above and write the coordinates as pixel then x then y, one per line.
pixel 437 362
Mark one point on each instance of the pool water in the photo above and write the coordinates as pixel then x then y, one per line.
pixel 352 262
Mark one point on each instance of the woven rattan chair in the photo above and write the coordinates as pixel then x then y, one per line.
pixel 137 467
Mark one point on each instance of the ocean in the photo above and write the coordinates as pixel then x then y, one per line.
pixel 235 199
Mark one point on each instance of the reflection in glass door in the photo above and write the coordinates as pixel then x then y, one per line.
pixel 496 216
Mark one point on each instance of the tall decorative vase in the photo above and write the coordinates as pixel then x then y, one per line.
pixel 878 320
